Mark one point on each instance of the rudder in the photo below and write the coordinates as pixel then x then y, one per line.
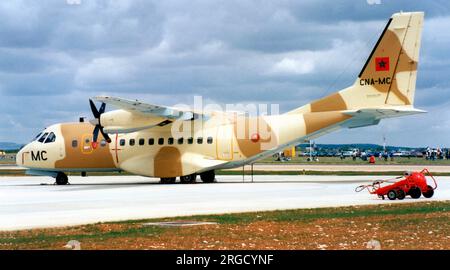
pixel 388 78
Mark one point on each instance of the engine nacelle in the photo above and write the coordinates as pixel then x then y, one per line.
pixel 122 121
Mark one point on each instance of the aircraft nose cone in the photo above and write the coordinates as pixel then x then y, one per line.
pixel 19 158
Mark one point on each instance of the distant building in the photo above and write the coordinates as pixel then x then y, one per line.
pixel 289 152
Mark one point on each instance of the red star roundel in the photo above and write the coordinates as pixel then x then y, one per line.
pixel 382 63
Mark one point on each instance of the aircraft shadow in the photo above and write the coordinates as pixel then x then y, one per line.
pixel 112 185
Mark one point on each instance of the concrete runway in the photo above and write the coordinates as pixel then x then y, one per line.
pixel 10 167
pixel 34 202
pixel 317 167
pixel 344 167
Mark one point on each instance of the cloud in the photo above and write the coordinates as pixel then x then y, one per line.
pixel 105 71
pixel 293 66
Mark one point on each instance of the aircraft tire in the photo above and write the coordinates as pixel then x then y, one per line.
pixel 188 179
pixel 168 180
pixel 61 179
pixel 208 177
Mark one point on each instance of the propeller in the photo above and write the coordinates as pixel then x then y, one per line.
pixel 96 122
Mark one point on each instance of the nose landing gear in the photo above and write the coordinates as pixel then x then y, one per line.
pixel 61 179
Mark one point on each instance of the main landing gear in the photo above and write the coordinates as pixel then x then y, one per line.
pixel 61 179
pixel 168 180
pixel 206 177
pixel 188 179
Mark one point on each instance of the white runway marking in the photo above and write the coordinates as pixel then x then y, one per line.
pixel 26 203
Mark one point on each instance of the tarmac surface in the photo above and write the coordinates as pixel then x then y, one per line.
pixel 34 202
pixel 318 167
pixel 10 167
pixel 344 167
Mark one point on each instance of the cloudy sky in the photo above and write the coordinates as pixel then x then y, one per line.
pixel 55 54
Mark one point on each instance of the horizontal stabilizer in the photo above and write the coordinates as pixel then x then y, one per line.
pixel 370 117
pixel 381 113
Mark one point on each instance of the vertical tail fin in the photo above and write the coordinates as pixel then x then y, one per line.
pixel 388 77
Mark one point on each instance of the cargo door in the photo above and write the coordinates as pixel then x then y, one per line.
pixel 224 144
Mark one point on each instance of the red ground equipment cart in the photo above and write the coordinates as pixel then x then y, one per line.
pixel 413 184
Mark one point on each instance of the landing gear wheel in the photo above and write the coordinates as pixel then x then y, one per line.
pixel 429 192
pixel 208 177
pixel 415 193
pixel 401 194
pixel 188 179
pixel 392 195
pixel 61 179
pixel 168 180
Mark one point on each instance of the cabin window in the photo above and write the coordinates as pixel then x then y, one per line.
pixel 74 143
pixel 42 139
pixel 103 143
pixel 190 140
pixel 132 142
pixel 151 141
pixel 87 140
pixel 199 140
pixel 210 140
pixel 170 141
pixel 50 138
pixel 141 141
pixel 122 142
pixel 161 141
pixel 180 140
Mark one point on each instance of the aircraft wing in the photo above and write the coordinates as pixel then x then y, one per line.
pixel 148 109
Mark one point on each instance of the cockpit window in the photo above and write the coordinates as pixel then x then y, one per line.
pixel 37 136
pixel 50 138
pixel 42 139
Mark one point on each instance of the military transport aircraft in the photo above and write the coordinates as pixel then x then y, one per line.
pixel 142 139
